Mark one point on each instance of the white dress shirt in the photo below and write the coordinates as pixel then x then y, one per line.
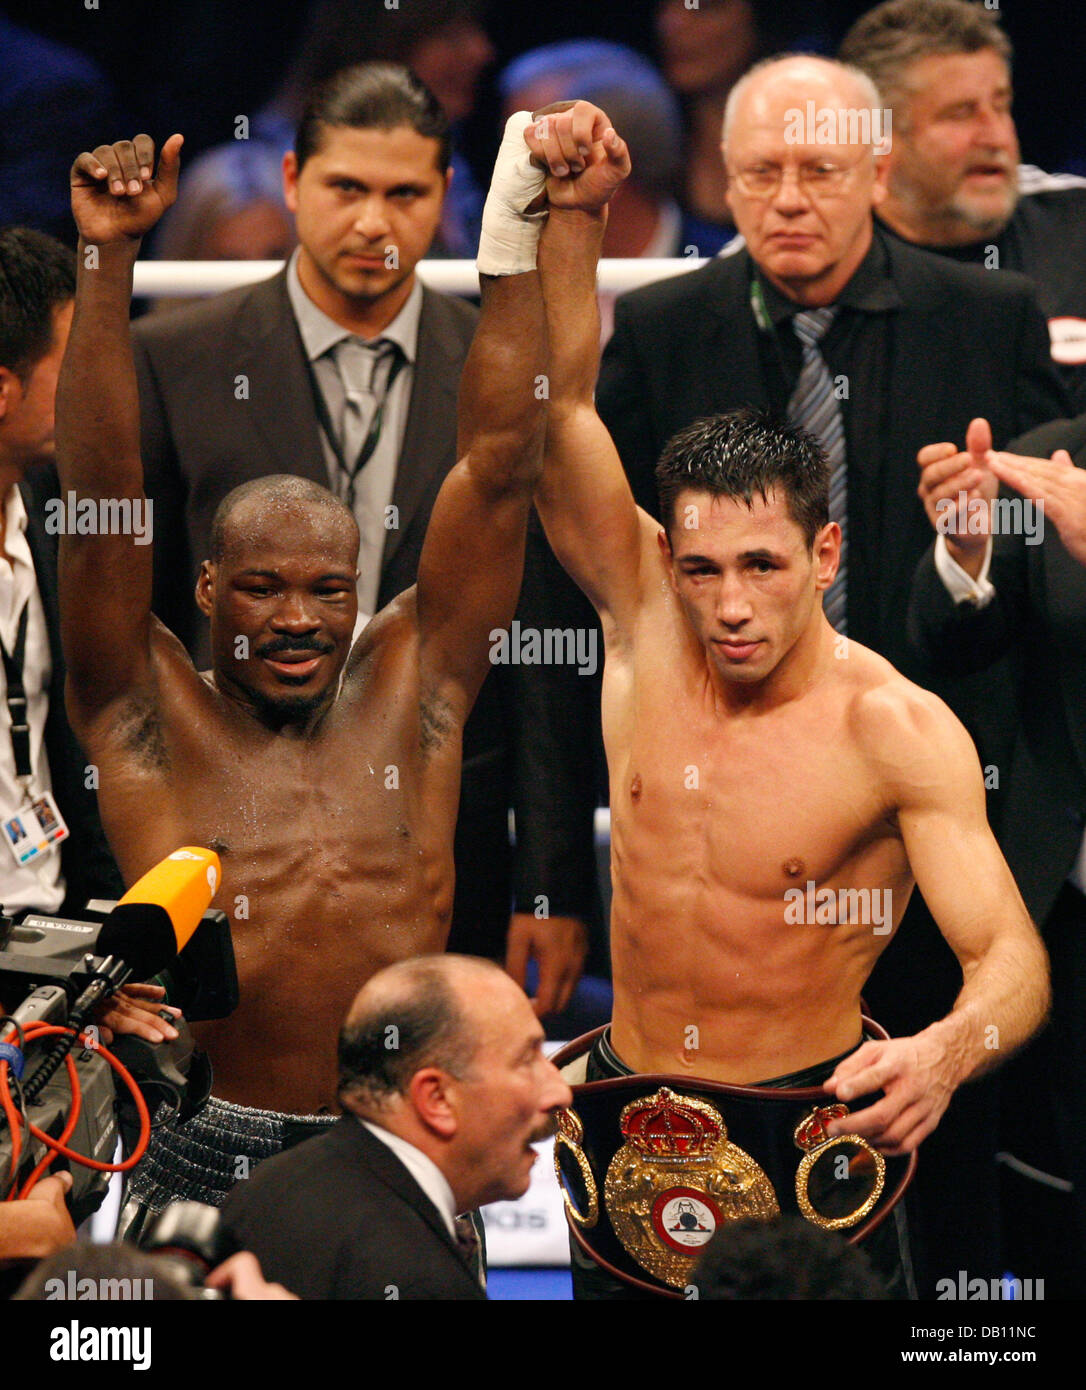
pixel 425 1172
pixel 962 588
pixel 374 485
pixel 38 884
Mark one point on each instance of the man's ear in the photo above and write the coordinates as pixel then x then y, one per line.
pixel 290 180
pixel 727 180
pixel 205 586
pixel 11 391
pixel 664 542
pixel 428 1092
pixel 827 554
pixel 881 187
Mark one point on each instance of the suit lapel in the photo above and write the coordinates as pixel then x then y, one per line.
pixel 429 442
pixel 895 512
pixel 730 351
pixel 271 357
pixel 351 1134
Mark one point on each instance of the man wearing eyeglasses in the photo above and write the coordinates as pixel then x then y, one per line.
pixel 876 347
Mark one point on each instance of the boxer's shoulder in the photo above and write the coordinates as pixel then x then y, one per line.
pixel 901 727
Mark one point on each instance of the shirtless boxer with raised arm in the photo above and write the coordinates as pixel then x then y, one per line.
pixel 752 752
pixel 327 786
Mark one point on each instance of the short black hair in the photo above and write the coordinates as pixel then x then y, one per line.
pixel 37 276
pixel 420 1026
pixel 743 454
pixel 786 1258
pixel 373 96
pixel 283 489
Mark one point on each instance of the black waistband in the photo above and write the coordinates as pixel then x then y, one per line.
pixel 604 1062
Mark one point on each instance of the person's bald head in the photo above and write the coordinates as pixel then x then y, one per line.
pixel 447 1053
pixel 266 506
pixel 415 1014
pixel 801 136
pixel 793 80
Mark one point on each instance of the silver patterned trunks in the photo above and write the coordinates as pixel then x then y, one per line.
pixel 200 1160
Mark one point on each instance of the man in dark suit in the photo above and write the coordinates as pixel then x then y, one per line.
pixel 914 342
pixel 344 369
pixel 877 348
pixel 986 587
pixel 436 1122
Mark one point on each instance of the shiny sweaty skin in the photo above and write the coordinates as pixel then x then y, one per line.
pixel 329 872
pixel 713 819
pixel 331 803
pixel 752 751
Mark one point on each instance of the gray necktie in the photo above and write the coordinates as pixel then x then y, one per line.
pixel 815 408
pixel 366 372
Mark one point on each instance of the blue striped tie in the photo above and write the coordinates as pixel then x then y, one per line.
pixel 814 408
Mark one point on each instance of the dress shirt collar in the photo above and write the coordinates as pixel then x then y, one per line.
pixel 871 289
pixel 320 333
pixel 424 1170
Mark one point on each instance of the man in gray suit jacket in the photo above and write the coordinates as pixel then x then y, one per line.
pixel 344 369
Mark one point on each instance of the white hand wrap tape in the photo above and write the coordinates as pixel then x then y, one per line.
pixel 510 236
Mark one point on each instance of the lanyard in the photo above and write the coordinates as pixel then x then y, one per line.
pixel 369 444
pixel 16 698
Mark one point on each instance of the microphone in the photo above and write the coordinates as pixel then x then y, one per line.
pixel 141 936
pixel 152 923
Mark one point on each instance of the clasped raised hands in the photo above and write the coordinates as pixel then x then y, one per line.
pixel 585 158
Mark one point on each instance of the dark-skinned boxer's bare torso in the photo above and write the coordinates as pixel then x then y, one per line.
pixel 335 842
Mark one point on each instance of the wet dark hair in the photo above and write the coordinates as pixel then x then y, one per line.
pixel 744 454
pixel 373 96
pixel 37 276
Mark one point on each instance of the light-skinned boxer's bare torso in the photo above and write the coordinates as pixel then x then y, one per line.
pixel 751 752
pixel 332 809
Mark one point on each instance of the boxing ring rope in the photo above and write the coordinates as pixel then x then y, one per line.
pixel 170 279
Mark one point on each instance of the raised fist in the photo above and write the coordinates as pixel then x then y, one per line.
pixel 586 160
pixel 116 194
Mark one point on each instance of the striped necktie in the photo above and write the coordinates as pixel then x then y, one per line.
pixel 815 408
pixel 368 372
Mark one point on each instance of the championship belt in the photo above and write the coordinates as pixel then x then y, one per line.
pixel 651 1165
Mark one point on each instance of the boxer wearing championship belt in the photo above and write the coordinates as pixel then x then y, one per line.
pixel 776 791
pixel 648 1172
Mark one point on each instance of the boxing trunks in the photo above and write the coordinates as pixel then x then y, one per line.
pixel 200 1159
pixel 651 1165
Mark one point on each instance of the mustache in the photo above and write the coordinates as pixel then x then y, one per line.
pixel 546 1130
pixel 306 643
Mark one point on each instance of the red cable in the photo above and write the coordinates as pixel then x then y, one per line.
pixel 59 1146
pixel 66 1132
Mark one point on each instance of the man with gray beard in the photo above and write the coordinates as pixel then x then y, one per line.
pixel 955 185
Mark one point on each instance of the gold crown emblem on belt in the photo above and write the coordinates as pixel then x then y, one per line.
pixel 676 1179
